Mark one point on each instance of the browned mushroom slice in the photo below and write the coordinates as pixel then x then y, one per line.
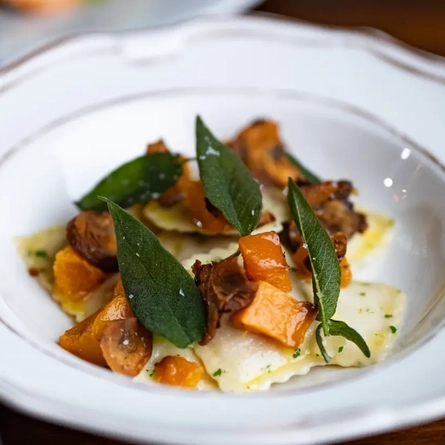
pixel 330 201
pixel 327 190
pixel 339 241
pixel 177 192
pixel 126 346
pixel 266 218
pixel 224 287
pixel 340 216
pixel 261 149
pixel 92 236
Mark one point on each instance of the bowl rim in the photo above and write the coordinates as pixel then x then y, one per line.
pixel 372 40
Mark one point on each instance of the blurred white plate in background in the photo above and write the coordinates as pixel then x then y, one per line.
pixel 20 33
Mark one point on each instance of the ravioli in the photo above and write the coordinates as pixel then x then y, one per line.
pixel 179 219
pixel 38 252
pixel 238 360
pixel 252 362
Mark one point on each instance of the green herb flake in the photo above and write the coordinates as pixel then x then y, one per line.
pixel 362 294
pixel 41 254
pixel 296 353
pixel 217 373
pixel 340 349
pixel 139 180
pixel 227 182
pixel 388 315
pixel 171 308
pixel 393 329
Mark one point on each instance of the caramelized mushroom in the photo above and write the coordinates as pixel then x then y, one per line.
pixel 126 346
pixel 177 192
pixel 340 243
pixel 340 216
pixel 224 288
pixel 327 190
pixel 92 236
pixel 266 218
pixel 261 149
pixel 330 201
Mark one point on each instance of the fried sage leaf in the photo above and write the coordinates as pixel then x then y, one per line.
pixel 139 180
pixel 341 329
pixel 308 175
pixel 161 293
pixel 326 273
pixel 228 184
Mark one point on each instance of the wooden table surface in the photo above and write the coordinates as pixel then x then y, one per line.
pixel 420 23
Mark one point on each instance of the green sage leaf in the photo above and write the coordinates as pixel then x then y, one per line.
pixel 340 328
pixel 161 293
pixel 139 180
pixel 326 273
pixel 309 176
pixel 228 184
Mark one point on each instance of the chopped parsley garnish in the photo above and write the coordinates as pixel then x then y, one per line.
pixel 217 373
pixel 340 349
pixel 362 294
pixel 41 254
pixel 393 329
pixel 388 315
pixel 297 353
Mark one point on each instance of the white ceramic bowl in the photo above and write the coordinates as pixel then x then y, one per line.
pixel 346 107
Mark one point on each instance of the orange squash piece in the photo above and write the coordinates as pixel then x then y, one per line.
pixel 207 218
pixel 277 315
pixel 73 276
pixel 301 260
pixel 346 274
pixel 177 191
pixel 83 340
pixel 260 148
pixel 302 264
pixel 79 340
pixel 264 259
pixel 126 346
pixel 178 371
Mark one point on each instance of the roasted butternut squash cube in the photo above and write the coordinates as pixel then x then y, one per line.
pixel 83 340
pixel 301 260
pixel 178 371
pixel 277 315
pixel 264 259
pixel 73 276
pixel 206 216
pixel 346 274
pixel 80 341
pixel 303 266
pixel 176 192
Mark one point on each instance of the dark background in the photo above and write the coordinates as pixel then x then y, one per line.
pixel 419 23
